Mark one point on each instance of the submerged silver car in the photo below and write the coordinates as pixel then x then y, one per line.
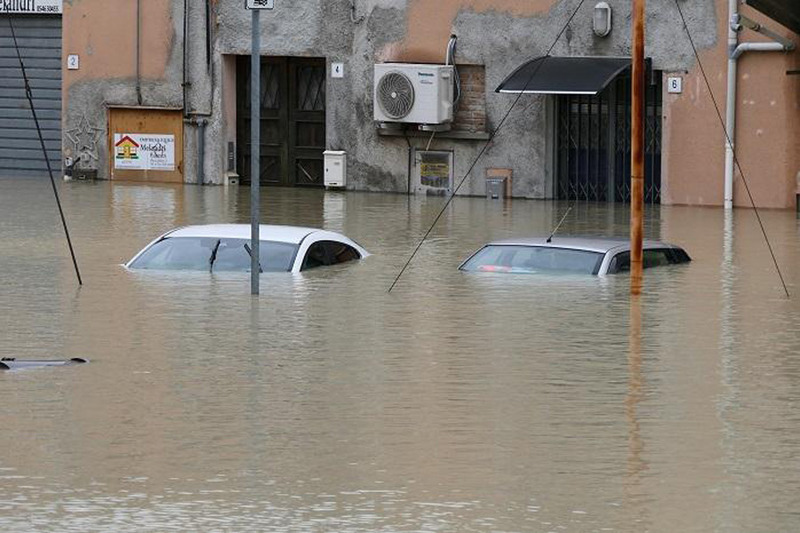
pixel 569 255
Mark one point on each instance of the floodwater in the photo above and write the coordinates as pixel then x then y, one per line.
pixel 457 403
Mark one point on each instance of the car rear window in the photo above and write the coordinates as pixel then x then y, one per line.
pixel 230 255
pixel 532 259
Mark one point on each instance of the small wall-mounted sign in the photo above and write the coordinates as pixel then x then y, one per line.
pixel 149 151
pixel 675 84
pixel 32 7
pixel 260 4
pixel 337 70
pixel 73 62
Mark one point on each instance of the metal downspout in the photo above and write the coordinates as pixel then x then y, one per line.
pixel 185 81
pixel 730 104
pixel 201 151
pixel 139 52
pixel 735 51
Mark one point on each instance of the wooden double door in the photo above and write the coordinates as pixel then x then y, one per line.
pixel 292 121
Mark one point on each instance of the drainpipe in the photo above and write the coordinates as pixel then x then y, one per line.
pixel 139 52
pixel 201 151
pixel 185 80
pixel 738 22
pixel 193 117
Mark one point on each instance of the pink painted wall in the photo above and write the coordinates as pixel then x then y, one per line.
pixel 767 132
pixel 103 33
pixel 429 29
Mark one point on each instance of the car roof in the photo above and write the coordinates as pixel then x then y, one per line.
pixel 589 244
pixel 288 234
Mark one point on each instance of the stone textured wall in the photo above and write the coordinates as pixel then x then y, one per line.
pixel 494 37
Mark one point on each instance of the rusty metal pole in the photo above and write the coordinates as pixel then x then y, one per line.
pixel 637 147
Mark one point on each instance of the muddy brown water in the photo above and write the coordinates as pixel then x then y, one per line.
pixel 460 402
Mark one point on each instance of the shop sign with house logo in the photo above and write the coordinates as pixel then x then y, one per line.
pixel 134 151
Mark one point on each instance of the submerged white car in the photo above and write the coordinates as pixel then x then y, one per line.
pixel 226 248
pixel 569 255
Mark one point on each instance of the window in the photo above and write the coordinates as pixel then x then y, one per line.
pixel 177 254
pixel 656 257
pixel 342 253
pixel 529 259
pixel 324 253
pixel 229 255
pixel 316 256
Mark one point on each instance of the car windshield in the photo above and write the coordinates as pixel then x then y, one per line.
pixel 229 255
pixel 531 259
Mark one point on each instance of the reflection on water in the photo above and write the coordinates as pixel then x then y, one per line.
pixel 460 402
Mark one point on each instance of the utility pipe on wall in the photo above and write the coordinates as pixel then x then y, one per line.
pixel 139 52
pixel 735 51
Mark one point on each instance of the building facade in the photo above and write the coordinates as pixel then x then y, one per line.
pixel 158 90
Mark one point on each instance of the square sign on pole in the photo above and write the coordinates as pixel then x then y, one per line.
pixel 260 4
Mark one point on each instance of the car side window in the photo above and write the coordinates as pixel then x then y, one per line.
pixel 653 258
pixel 324 253
pixel 678 256
pixel 339 252
pixel 316 256
pixel 658 257
pixel 620 263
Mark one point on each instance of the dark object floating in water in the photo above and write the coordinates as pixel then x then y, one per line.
pixel 9 363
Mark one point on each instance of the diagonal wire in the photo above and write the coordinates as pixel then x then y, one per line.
pixel 485 146
pixel 730 143
pixel 29 95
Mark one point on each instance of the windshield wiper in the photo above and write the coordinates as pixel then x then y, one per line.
pixel 213 256
pixel 250 253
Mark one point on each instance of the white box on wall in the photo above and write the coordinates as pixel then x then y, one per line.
pixel 335 168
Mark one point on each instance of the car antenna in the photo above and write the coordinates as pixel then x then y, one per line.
pixel 29 95
pixel 550 238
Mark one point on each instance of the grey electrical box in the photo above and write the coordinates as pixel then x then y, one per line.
pixel 495 188
pixel 335 162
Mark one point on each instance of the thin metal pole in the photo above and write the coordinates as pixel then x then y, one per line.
pixel 29 95
pixel 637 148
pixel 255 152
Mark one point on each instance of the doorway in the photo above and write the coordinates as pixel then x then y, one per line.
pixel 593 146
pixel 292 121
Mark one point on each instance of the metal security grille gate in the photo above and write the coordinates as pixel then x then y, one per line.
pixel 593 143
pixel 39 39
pixel 292 120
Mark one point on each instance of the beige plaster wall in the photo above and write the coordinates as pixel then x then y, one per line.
pixel 103 33
pixel 767 129
pixel 430 21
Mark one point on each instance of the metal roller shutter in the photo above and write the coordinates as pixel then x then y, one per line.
pixel 39 39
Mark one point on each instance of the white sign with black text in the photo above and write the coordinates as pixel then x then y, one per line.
pixel 259 4
pixel 337 70
pixel 32 7
pixel 144 151
pixel 675 84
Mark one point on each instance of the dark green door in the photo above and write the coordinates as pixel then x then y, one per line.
pixel 292 120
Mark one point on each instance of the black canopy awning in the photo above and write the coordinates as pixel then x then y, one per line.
pixel 786 12
pixel 564 75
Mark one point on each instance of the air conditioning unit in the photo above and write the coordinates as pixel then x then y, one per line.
pixel 413 94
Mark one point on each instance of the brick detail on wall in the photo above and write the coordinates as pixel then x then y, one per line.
pixel 471 113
